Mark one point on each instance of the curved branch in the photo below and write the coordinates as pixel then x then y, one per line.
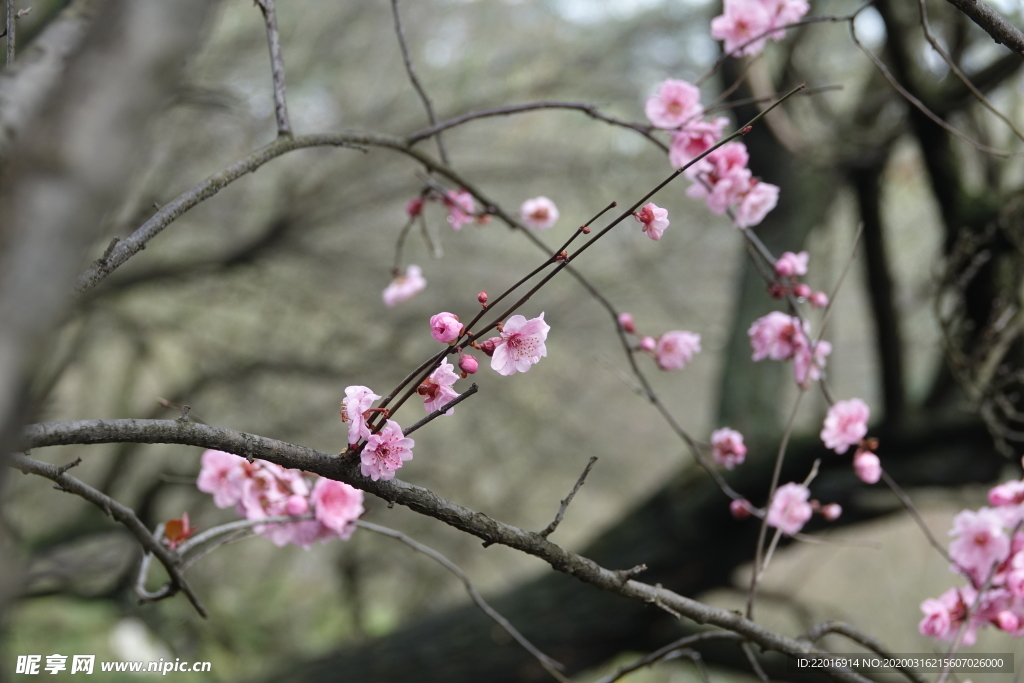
pixel 420 500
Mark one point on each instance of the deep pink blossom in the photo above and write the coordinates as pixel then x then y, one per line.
pixel 626 322
pixel 337 505
pixel 742 21
pixel 755 204
pixel 675 349
pixel 654 219
pixel 791 265
pixel 1007 621
pixel 867 467
pixel 776 336
pixel 221 474
pixel 694 139
pixel 789 510
pixel 414 207
pixel 468 364
pixel 727 447
pixel 980 543
pixel 521 345
pixel 436 390
pixel 539 213
pixel 676 103
pixel 385 452
pixel 358 400
pixel 482 298
pixel 404 287
pixel 740 509
pixel 445 327
pixel 461 207
pixel 845 425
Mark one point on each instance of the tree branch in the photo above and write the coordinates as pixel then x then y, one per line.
pixel 284 126
pixel 1002 31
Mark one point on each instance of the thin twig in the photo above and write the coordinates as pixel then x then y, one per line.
pixel 12 15
pixel 125 515
pixel 444 409
pixel 748 650
pixel 873 644
pixel 912 509
pixel 411 71
pixel 666 651
pixel 284 126
pixel 568 499
pixel 550 665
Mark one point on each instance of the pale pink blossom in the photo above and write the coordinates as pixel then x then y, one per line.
pixel 358 400
pixel 221 474
pixel 626 322
pixel 776 336
pixel 436 390
pixel 1010 493
pixel 654 219
pixel 468 364
pixel 727 447
pixel 832 511
pixel 1014 579
pixel 1007 621
pixel 337 505
pixel 648 344
pixel 845 425
pixel 445 327
pixel 521 345
pixel 980 543
pixel 818 299
pixel 694 139
pixel 937 620
pixel 461 207
pixel 804 367
pixel 742 22
pixel 783 12
pixel 404 287
pixel 791 265
pixel 789 510
pixel 676 103
pixel 539 213
pixel 675 349
pixel 867 467
pixel 756 203
pixel 385 452
pixel 722 177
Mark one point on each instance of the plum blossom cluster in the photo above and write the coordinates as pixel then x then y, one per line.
pixel 261 490
pixel 722 177
pixel 846 424
pixel 779 336
pixel 788 269
pixel 790 509
pixel 671 351
pixel 988 550
pixel 459 203
pixel 746 25
pixel 386 448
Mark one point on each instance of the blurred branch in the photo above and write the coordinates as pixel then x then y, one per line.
pixel 1002 31
pixel 418 499
pixel 12 15
pixel 861 638
pixel 411 71
pixel 668 651
pixel 126 516
pixel 284 126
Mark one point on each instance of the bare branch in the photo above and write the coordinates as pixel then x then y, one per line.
pixel 284 126
pixel 549 529
pixel 873 644
pixel 12 15
pixel 126 516
pixel 667 651
pixel 1002 31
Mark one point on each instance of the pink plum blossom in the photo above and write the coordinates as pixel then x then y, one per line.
pixel 789 509
pixel 785 12
pixel 791 265
pixel 801 291
pixel 385 452
pixel 937 620
pixel 445 327
pixel 539 213
pixel 676 103
pixel 626 322
pixel 468 364
pixel 694 139
pixel 727 447
pixel 776 336
pixel 867 467
pixel 742 21
pixel 521 345
pixel 675 349
pixel 436 390
pixel 358 400
pixel 461 207
pixel 1010 493
pixel 404 287
pixel 722 177
pixel 756 203
pixel 980 543
pixel 806 368
pixel 221 474
pixel 845 425
pixel 654 219
pixel 336 506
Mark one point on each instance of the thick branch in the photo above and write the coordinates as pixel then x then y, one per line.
pixel 1002 31
pixel 416 498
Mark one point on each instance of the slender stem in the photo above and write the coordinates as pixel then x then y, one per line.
pixel 550 528
pixel 284 126
pixel 12 16
pixel 665 651
pixel 411 71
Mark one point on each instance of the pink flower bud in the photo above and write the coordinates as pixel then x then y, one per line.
pixel 648 344
pixel 626 322
pixel 445 327
pixel 297 505
pixel 790 264
pixel 776 291
pixel 482 298
pixel 831 511
pixel 488 346
pixel 818 299
pixel 414 207
pixel 801 290
pixel 1007 621
pixel 739 509
pixel 468 364
pixel 867 466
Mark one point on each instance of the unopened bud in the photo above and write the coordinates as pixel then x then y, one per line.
pixel 468 364
pixel 585 230
pixel 776 290
pixel 626 322
pixel 746 129
pixel 802 290
pixel 562 256
pixel 482 298
pixel 818 299
pixel 648 344
pixel 739 509
pixel 414 207
pixel 831 511
pixel 488 346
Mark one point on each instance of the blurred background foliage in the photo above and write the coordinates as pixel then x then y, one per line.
pixel 259 306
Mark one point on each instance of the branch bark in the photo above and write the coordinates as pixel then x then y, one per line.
pixel 1002 31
